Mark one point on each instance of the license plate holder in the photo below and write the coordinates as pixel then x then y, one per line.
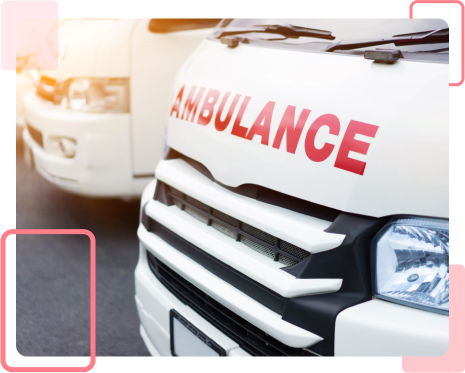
pixel 188 340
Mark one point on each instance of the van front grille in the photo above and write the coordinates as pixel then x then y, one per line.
pixel 246 335
pixel 262 242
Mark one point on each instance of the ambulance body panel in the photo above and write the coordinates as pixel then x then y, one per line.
pixel 343 91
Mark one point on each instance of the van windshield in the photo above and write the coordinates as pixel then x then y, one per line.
pixel 347 30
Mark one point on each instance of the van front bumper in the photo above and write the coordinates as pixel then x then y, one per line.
pixel 101 166
pixel 373 328
pixel 154 303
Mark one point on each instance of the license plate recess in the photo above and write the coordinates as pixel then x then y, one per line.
pixel 187 340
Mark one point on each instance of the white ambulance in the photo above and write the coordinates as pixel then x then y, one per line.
pixel 302 207
pixel 95 126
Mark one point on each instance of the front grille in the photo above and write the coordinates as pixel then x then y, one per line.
pixel 253 289
pixel 35 134
pixel 262 242
pixel 246 335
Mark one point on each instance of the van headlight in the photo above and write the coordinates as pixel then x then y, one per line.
pixel 98 95
pixel 411 263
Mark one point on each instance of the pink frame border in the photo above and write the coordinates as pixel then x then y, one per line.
pixel 13 13
pixel 92 300
pixel 453 360
pixel 463 28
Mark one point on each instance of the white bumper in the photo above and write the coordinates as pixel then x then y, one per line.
pixel 374 328
pixel 380 328
pixel 102 164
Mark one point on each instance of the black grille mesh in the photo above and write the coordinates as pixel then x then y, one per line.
pixel 246 335
pixel 254 238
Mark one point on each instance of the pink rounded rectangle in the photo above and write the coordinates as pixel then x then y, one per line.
pixel 462 44
pixel 3 299
pixel 454 359
pixel 37 44
pixel 13 11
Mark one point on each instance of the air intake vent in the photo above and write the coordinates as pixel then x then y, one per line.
pixel 36 135
pixel 262 242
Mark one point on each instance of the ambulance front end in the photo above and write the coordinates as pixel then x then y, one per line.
pixel 302 206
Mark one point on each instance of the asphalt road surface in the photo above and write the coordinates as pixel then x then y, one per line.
pixel 53 286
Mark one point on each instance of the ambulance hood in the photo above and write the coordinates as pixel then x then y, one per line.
pixel 333 129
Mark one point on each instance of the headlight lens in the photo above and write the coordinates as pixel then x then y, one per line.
pixel 412 263
pixel 99 95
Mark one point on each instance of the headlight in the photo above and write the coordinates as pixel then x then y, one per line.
pixel 411 263
pixel 99 95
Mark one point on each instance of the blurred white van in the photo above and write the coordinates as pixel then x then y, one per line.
pixel 96 125
pixel 28 66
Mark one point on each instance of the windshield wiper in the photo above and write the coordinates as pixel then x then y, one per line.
pixel 425 37
pixel 288 31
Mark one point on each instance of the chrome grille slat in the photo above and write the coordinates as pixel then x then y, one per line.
pixel 254 238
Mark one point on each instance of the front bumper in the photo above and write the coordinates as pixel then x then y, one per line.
pixel 154 303
pixel 373 328
pixel 381 328
pixel 102 164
